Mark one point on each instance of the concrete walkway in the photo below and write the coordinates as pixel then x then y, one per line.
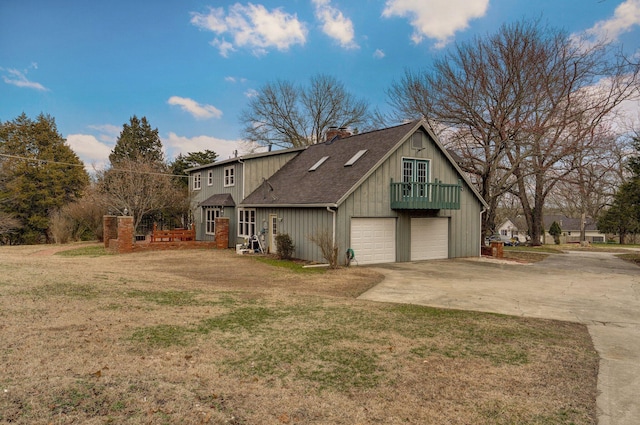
pixel 596 289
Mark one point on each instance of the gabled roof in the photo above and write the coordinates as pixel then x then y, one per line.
pixel 294 184
pixel 568 224
pixel 245 157
pixel 218 200
pixel 341 173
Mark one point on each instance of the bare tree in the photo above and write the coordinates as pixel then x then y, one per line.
pixel 139 187
pixel 286 115
pixel 517 106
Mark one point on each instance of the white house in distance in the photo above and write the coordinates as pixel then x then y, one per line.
pixel 516 227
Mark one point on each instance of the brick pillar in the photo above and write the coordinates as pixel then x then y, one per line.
pixel 125 234
pixel 109 229
pixel 222 232
pixel 497 249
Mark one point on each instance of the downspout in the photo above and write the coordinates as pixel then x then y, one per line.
pixel 484 210
pixel 333 234
pixel 241 162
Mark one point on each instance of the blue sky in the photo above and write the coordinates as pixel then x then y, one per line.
pixel 190 66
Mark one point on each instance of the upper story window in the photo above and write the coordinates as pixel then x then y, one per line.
pixel 210 178
pixel 197 181
pixel 229 176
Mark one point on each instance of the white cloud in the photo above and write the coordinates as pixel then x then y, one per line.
pixel 251 26
pixel 335 24
pixel 378 54
pixel 108 132
pixel 19 79
pixel 625 17
pixel 180 144
pixel 199 111
pixel 251 93
pixel 232 79
pixel 90 150
pixel 436 19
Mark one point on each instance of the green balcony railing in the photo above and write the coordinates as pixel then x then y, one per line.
pixel 425 196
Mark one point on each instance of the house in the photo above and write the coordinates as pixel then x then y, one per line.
pixel 571 229
pixel 516 227
pixel 389 195
pixel 513 228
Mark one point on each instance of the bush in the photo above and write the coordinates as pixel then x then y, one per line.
pixel 329 250
pixel 555 231
pixel 285 246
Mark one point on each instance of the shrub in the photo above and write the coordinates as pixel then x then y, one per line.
pixel 329 250
pixel 285 246
pixel 555 231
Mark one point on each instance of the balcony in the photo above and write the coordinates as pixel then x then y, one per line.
pixel 425 196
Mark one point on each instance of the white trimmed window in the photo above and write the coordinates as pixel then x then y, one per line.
pixel 246 222
pixel 210 215
pixel 229 176
pixel 197 181
pixel 210 178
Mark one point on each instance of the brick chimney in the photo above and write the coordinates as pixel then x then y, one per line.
pixel 334 131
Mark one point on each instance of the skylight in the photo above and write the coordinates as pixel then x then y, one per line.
pixel 355 157
pixel 315 166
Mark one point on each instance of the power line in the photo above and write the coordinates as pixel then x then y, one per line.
pixel 83 166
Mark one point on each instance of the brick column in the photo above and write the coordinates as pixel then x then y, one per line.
pixel 109 229
pixel 222 232
pixel 497 249
pixel 125 234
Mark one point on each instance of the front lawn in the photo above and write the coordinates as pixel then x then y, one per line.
pixel 210 337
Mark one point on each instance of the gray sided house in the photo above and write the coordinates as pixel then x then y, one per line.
pixel 389 195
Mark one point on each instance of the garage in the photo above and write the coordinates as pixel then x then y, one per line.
pixel 373 240
pixel 429 238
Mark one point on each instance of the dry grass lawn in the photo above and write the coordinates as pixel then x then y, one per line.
pixel 209 337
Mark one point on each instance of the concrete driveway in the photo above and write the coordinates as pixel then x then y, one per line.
pixel 596 289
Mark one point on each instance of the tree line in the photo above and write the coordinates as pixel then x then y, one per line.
pixel 46 195
pixel 529 111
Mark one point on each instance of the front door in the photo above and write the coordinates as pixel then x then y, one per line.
pixel 273 232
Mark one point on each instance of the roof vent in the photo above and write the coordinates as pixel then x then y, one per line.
pixel 355 157
pixel 417 140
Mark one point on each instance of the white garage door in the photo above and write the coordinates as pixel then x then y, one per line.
pixel 373 240
pixel 429 238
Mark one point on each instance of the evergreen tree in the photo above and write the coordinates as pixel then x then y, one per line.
pixel 623 217
pixel 39 173
pixel 190 160
pixel 555 231
pixel 137 141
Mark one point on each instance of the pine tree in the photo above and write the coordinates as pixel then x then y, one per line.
pixel 39 173
pixel 137 141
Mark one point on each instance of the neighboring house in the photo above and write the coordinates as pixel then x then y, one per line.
pixel 390 195
pixel 516 227
pixel 513 228
pixel 571 229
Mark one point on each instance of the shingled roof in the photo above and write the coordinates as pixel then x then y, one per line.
pixel 295 185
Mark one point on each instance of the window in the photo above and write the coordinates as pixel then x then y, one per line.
pixel 210 178
pixel 197 180
pixel 229 176
pixel 246 222
pixel 355 157
pixel 321 161
pixel 415 172
pixel 210 220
